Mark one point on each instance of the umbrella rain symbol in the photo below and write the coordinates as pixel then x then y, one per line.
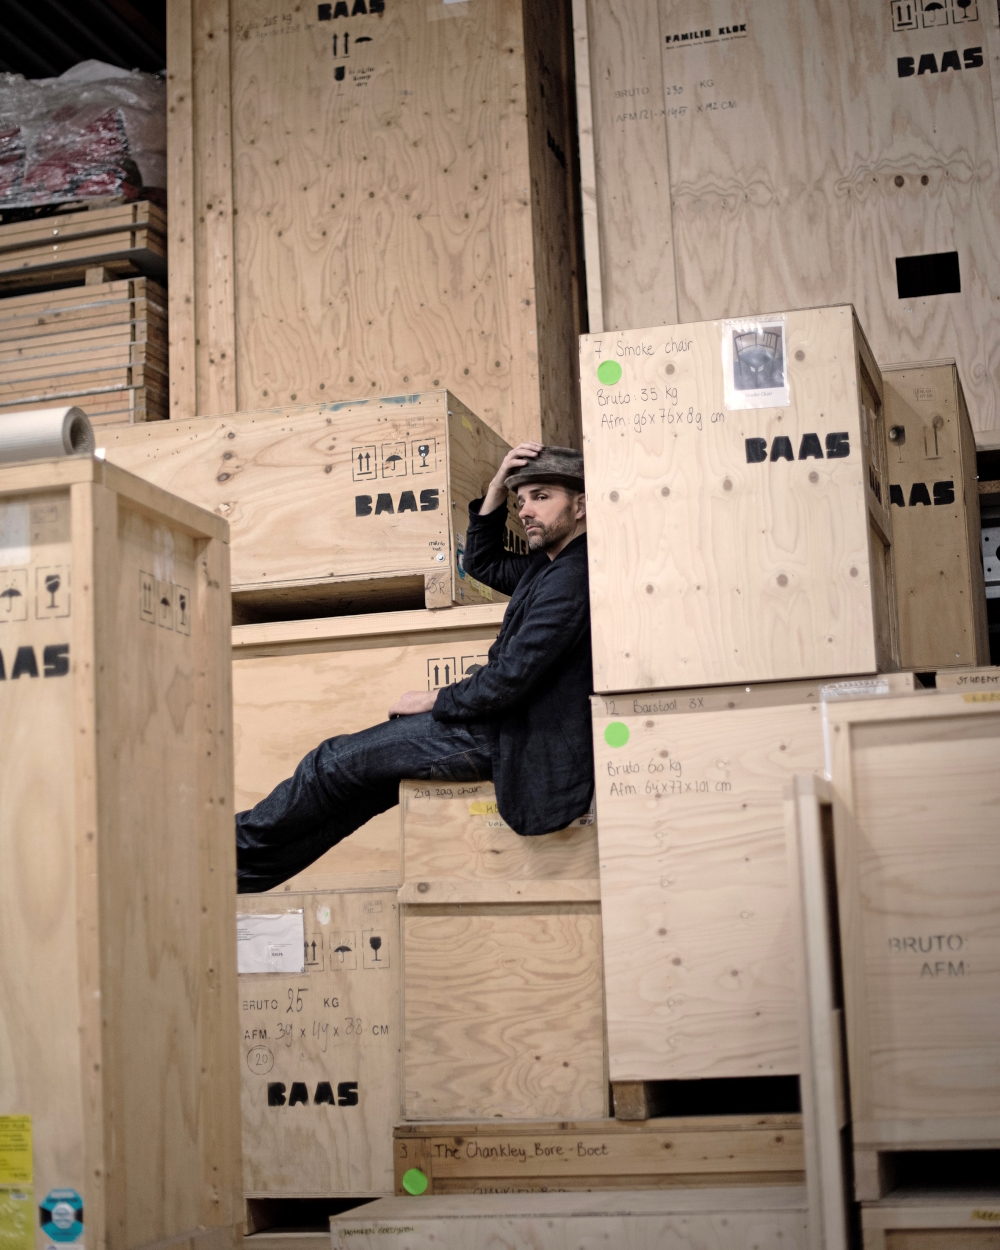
pixel 10 594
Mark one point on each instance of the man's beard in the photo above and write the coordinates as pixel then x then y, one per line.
pixel 548 536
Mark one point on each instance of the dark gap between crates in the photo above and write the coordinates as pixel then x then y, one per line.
pixel 305 603
pixel 958 1170
pixel 731 1095
pixel 297 1215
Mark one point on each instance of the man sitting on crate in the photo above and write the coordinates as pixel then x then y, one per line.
pixel 523 719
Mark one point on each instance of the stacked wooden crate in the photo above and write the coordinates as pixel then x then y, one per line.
pixel 741 557
pixel 100 344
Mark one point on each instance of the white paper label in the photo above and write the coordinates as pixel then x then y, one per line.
pixel 754 367
pixel 270 943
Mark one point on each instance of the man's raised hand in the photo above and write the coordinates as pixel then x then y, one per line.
pixel 515 459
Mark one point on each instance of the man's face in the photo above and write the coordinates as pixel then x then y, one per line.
pixel 549 513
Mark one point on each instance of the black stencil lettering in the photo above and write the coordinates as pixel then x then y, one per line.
pixel 347 1093
pixel 324 1093
pixel 950 61
pixel 756 450
pixel 429 501
pixel 324 12
pixel 896 496
pixel 359 8
pixel 3 675
pixel 407 502
pixel 298 1094
pixel 383 504
pixel 928 64
pixel 362 505
pixel 973 58
pixel 275 1093
pixel 810 447
pixel 56 660
pixel 904 66
pixel 24 662
pixel 919 494
pixel 781 449
pixel 944 493
pixel 341 9
pixel 838 445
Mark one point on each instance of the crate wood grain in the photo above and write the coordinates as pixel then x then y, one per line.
pixel 916 808
pixel 933 1221
pixel 503 1002
pixel 525 1157
pixel 934 491
pixel 299 682
pixel 394 206
pixel 723 190
pixel 325 501
pixel 117 898
pixel 335 1022
pixel 101 347
pixel 732 545
pixel 698 949
pixel 705 1219
pixel 126 240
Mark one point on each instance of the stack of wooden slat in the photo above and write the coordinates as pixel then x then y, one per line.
pixel 102 347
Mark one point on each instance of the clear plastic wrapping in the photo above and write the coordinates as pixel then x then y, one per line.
pixel 95 132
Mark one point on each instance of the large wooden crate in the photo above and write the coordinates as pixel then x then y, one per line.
pixel 732 543
pixel 296 684
pixel 394 206
pixel 699 951
pixel 916 815
pixel 319 1055
pixel 723 186
pixel 117 895
pixel 542 1157
pixel 503 1004
pixel 773 1218
pixel 124 239
pixel 933 1221
pixel 934 492
pixel 333 507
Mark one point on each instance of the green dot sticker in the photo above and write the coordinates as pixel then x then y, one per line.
pixel 608 372
pixel 414 1181
pixel 616 734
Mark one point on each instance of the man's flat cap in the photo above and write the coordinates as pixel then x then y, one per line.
pixel 562 466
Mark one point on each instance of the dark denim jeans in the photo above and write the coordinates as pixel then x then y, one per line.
pixel 344 783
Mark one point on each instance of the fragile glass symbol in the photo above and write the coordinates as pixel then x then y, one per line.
pixel 375 942
pixel 52 583
pixel 423 451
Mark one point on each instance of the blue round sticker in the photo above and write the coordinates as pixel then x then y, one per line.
pixel 61 1215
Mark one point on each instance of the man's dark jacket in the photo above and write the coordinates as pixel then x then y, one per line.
pixel 534 694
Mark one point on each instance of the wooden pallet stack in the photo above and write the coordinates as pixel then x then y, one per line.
pixel 83 313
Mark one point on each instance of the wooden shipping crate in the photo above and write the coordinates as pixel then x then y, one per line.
pixel 394 207
pixel 124 239
pixel 916 818
pixel 694 876
pixel 343 507
pixel 503 1002
pixel 117 895
pixel 700 1219
pixel 722 187
pixel 933 1221
pixel 729 541
pixel 319 1056
pixel 934 491
pixel 681 1152
pixel 298 683
pixel 968 679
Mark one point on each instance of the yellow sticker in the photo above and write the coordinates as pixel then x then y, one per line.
pixel 484 807
pixel 17 1214
pixel 987 696
pixel 468 424
pixel 15 1150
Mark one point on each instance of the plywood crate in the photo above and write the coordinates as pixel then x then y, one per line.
pixel 933 1221
pixel 394 207
pixel 523 1157
pixel 721 188
pixel 319 1055
pixel 125 239
pixel 503 1002
pixel 733 544
pixel 101 347
pixel 698 946
pixel 298 683
pixel 968 679
pixel 117 897
pixel 915 820
pixel 344 507
pixel 703 1219
pixel 934 490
